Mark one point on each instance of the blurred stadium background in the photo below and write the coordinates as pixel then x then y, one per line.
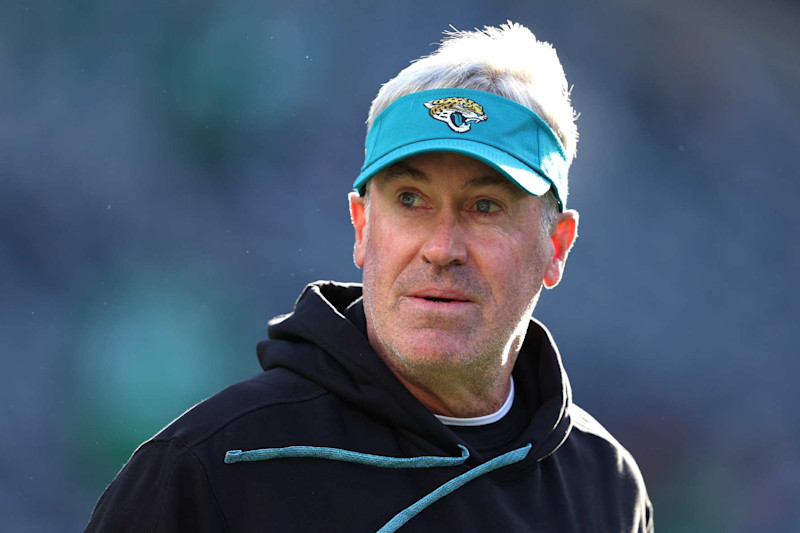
pixel 172 174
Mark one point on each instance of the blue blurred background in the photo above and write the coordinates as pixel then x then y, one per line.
pixel 172 174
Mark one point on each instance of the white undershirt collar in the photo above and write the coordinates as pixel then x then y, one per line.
pixel 481 420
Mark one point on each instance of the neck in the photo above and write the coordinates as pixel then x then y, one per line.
pixel 459 403
pixel 458 393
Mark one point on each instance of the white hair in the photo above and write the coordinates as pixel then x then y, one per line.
pixel 508 61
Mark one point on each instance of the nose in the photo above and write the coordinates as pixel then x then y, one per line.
pixel 445 243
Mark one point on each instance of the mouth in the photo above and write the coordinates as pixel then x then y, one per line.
pixel 445 296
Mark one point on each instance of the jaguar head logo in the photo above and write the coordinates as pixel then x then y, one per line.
pixel 457 112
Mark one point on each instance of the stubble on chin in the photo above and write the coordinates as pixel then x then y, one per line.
pixel 436 359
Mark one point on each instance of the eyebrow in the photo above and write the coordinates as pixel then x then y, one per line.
pixel 495 180
pixel 398 170
pixel 486 181
pixel 404 170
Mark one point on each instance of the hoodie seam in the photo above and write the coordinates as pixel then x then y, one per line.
pixel 162 500
pixel 186 450
pixel 208 484
pixel 233 418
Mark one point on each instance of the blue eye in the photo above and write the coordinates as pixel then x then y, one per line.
pixel 409 199
pixel 486 206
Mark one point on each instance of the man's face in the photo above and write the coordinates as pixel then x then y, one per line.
pixel 454 259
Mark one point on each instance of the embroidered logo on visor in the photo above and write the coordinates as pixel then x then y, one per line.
pixel 457 112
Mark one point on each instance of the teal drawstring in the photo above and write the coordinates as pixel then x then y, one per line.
pixel 337 454
pixel 401 518
pixel 454 484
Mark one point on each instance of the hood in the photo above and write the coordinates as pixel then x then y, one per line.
pixel 319 343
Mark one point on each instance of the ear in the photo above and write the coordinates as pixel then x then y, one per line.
pixel 358 216
pixel 563 236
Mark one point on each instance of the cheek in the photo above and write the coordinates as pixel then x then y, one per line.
pixel 391 243
pixel 517 265
pixel 384 258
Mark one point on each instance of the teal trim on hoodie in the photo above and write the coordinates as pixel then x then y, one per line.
pixel 381 461
pixel 337 454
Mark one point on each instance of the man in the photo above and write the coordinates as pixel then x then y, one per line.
pixel 432 401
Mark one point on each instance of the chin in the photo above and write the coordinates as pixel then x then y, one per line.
pixel 434 351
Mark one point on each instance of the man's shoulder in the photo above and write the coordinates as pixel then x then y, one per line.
pixel 260 396
pixel 602 461
pixel 585 423
pixel 593 432
pixel 175 471
pixel 606 451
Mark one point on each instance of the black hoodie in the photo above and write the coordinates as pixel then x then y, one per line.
pixel 327 439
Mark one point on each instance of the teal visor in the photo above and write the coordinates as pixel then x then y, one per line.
pixel 494 130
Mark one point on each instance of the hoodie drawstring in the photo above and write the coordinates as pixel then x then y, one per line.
pixel 338 454
pixel 380 461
